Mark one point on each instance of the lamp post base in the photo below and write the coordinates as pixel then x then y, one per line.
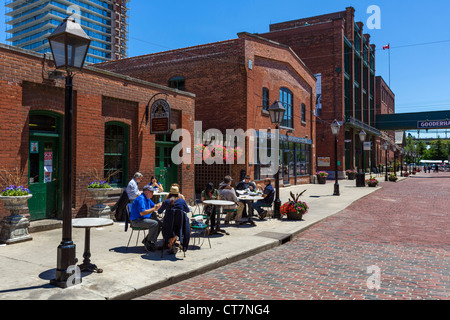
pixel 336 190
pixel 66 266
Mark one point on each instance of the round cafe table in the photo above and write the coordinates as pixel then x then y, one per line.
pixel 251 199
pixel 220 204
pixel 87 224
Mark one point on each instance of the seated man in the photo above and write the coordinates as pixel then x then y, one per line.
pixel 268 196
pixel 132 187
pixel 246 184
pixel 142 216
pixel 227 192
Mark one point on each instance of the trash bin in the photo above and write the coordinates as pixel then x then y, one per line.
pixel 360 180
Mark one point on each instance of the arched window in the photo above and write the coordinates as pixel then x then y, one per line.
pixel 177 83
pixel 116 153
pixel 287 99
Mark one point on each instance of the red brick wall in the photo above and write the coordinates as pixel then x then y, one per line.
pixel 99 97
pixel 228 93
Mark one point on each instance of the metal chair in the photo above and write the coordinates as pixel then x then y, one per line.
pixel 199 228
pixel 128 210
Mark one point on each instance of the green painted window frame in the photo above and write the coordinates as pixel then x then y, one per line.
pixel 114 151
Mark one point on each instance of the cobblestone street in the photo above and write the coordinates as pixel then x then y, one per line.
pixel 401 230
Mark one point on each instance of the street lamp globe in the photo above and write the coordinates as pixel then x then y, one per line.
pixel 385 146
pixel 69 44
pixel 276 112
pixel 362 135
pixel 335 128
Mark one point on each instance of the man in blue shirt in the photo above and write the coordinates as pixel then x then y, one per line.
pixel 268 194
pixel 141 217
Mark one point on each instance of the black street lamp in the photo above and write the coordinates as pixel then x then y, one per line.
pixel 386 148
pixel 69 45
pixel 361 177
pixel 401 162
pixel 394 147
pixel 335 128
pixel 276 112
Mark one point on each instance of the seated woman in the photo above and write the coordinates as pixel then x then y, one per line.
pixel 155 184
pixel 176 222
pixel 210 193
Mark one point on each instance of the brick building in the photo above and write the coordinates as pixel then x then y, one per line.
pixel 385 104
pixel 335 47
pixel 235 82
pixel 109 130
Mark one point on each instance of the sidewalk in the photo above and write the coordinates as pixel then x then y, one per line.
pixel 27 268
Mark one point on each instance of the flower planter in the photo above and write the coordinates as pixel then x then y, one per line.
pixel 322 180
pixel 100 210
pixel 293 215
pixel 14 228
pixel 352 176
pixel 372 185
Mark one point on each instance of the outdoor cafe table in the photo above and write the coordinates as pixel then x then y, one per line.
pixel 220 204
pixel 89 223
pixel 159 194
pixel 250 198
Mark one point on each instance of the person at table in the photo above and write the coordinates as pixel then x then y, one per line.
pixel 210 193
pixel 143 215
pixel 132 187
pixel 268 195
pixel 246 184
pixel 156 185
pixel 227 192
pixel 173 228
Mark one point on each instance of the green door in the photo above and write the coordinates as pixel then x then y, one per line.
pixel 165 170
pixel 43 176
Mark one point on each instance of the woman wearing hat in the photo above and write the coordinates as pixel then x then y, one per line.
pixel 176 222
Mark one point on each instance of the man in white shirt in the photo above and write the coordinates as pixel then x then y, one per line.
pixel 132 188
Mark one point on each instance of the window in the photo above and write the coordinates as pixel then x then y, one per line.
pixel 303 112
pixel 265 99
pixel 286 98
pixel 116 153
pixel 177 83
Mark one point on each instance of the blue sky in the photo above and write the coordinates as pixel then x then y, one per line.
pixel 419 34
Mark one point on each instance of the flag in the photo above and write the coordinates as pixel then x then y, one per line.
pixel 386 47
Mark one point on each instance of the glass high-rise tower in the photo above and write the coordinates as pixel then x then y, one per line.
pixel 30 22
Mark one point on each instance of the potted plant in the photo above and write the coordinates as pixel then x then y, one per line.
pixel 322 177
pixel 406 174
pixel 393 177
pixel 294 209
pixel 14 228
pixel 372 182
pixel 99 189
pixel 351 174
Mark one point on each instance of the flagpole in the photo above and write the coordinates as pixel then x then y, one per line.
pixel 389 49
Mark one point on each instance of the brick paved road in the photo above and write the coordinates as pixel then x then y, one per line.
pixel 402 229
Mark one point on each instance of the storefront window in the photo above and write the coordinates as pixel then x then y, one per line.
pixel 116 153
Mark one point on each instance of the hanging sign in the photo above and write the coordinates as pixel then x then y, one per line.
pixel 160 117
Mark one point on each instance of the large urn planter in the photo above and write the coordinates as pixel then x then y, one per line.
pixel 100 210
pixel 14 228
